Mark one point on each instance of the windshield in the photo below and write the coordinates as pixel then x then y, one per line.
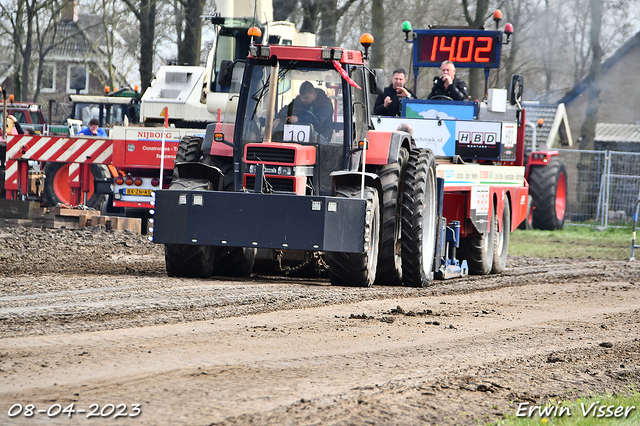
pixel 308 105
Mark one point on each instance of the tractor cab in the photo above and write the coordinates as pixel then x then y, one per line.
pixel 308 101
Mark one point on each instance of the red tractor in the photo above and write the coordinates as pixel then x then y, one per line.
pixel 290 182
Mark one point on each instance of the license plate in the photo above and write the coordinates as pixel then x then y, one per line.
pixel 136 191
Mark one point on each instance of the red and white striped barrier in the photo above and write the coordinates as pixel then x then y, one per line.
pixel 75 150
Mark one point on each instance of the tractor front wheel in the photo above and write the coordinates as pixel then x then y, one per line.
pixel 359 269
pixel 189 260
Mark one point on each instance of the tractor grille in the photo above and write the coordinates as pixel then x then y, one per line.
pixel 278 184
pixel 271 155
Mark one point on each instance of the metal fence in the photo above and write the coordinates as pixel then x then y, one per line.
pixel 602 187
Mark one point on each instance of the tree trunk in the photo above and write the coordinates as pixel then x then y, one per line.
pixel 147 34
pixel 189 47
pixel 377 31
pixel 588 129
pixel 311 16
pixel 26 54
pixel 476 75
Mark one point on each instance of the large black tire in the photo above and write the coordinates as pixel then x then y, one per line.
pixel 478 250
pixel 390 258
pixel 189 260
pixel 501 240
pixel 56 185
pixel 358 269
pixel 548 189
pixel 419 219
pixel 225 164
pixel 234 261
pixel 189 151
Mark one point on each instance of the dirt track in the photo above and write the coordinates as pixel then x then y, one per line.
pixel 89 317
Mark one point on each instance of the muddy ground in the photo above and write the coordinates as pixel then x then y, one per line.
pixel 89 318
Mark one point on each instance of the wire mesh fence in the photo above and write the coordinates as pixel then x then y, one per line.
pixel 602 187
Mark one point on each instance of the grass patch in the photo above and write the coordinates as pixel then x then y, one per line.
pixel 573 242
pixel 597 410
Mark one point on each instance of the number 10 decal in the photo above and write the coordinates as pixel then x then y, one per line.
pixel 296 133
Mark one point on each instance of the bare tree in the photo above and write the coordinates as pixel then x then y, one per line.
pixel 190 40
pixel 588 130
pixel 378 30
pixel 145 13
pixel 20 24
pixel 476 76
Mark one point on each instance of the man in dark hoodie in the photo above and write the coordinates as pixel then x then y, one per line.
pixel 311 106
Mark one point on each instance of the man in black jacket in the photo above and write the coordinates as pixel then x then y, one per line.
pixel 388 103
pixel 311 106
pixel 449 85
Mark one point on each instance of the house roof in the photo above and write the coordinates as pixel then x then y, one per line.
pixel 555 121
pixel 615 132
pixel 632 43
pixel 78 38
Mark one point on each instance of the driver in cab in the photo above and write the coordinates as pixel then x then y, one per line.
pixel 448 85
pixel 311 106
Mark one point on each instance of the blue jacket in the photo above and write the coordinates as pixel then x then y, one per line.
pixel 87 132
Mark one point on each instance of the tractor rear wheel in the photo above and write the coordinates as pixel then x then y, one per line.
pixel 501 240
pixel 419 219
pixel 56 185
pixel 548 188
pixel 189 260
pixel 189 151
pixel 358 269
pixel 225 164
pixel 478 250
pixel 390 258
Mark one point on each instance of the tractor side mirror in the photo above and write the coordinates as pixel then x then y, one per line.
pixel 516 88
pixel 376 81
pixel 225 73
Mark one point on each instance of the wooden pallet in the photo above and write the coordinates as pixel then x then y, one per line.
pixel 76 219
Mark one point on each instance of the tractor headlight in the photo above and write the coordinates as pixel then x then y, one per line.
pixel 284 170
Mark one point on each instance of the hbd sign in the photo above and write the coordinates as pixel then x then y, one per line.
pixel 477 138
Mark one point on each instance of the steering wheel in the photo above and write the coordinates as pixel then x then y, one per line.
pixel 441 98
pixel 306 117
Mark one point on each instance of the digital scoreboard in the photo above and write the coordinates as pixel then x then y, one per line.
pixel 465 48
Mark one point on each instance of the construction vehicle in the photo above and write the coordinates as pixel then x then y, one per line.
pixel 374 205
pixel 117 107
pixel 190 98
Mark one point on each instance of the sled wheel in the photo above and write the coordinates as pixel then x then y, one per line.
pixel 527 223
pixel 501 240
pixel 478 249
